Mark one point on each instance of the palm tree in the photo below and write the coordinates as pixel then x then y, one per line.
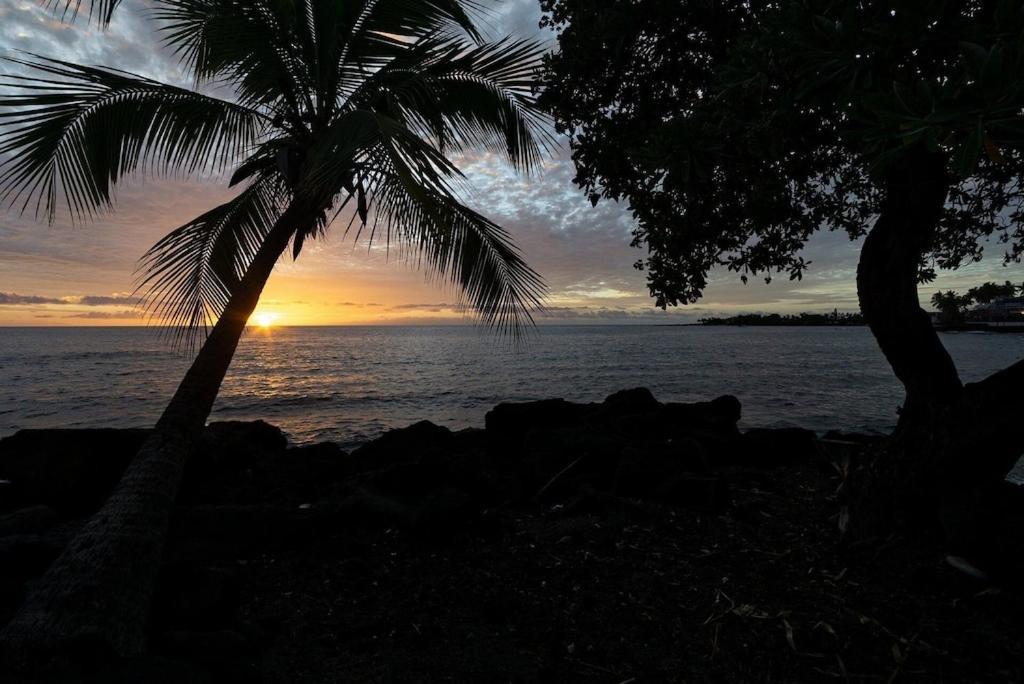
pixel 343 111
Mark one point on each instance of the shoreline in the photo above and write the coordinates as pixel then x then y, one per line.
pixel 621 539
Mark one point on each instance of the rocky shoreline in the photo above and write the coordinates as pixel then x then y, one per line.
pixel 624 539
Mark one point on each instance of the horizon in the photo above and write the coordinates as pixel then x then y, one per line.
pixel 82 275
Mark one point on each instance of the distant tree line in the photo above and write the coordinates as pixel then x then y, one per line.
pixel 954 307
pixel 801 319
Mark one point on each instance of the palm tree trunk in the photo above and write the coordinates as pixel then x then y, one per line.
pixel 94 600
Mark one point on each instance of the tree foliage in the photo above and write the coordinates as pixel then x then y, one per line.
pixel 735 130
pixel 954 307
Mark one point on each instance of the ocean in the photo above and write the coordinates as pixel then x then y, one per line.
pixel 349 384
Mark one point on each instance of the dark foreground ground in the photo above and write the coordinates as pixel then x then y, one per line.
pixel 625 541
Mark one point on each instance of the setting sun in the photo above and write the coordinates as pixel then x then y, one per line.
pixel 265 319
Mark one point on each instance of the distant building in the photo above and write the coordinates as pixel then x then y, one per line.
pixel 1001 309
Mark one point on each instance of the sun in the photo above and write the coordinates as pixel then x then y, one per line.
pixel 265 319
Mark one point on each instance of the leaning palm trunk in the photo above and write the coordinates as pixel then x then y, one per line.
pixel 338 106
pixel 95 597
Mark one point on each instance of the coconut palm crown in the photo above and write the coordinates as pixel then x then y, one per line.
pixel 343 111
pixel 343 108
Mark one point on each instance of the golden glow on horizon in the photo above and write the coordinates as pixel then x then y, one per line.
pixel 265 319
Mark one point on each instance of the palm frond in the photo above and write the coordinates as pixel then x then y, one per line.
pixel 188 277
pixel 455 243
pixel 466 97
pixel 382 30
pixel 73 131
pixel 253 45
pixel 406 194
pixel 100 11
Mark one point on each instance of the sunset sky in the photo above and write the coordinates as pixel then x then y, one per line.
pixel 83 274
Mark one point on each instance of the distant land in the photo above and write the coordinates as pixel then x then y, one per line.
pixel 801 319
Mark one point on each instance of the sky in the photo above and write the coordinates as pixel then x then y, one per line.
pixel 64 274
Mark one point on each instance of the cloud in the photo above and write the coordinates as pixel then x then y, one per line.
pixel 426 307
pixel 582 252
pixel 14 299
pixel 94 315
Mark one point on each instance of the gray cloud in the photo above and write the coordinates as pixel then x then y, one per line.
pixel 583 252
pixel 113 315
pixel 425 307
pixel 14 299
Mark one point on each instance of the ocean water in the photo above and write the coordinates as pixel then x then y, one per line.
pixel 349 384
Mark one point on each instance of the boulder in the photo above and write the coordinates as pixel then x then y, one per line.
pixel 718 415
pixel 508 424
pixel 233 444
pixel 24 556
pixel 631 402
pixel 772 447
pixel 31 520
pixel 196 597
pixel 403 445
pixel 72 471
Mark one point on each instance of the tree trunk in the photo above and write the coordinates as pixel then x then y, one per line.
pixel 950 448
pixel 94 600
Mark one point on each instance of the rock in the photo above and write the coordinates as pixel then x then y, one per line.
pixel 718 415
pixel 508 424
pixel 24 556
pixel 676 477
pixel 225 655
pixel 403 445
pixel 698 492
pixel 408 480
pixel 324 461
pixel 647 473
pixel 12 593
pixel 72 471
pixel 31 520
pixel 631 402
pixel 233 444
pixel 443 511
pixel 196 597
pixel 772 447
pixel 854 437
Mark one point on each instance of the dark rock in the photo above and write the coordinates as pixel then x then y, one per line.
pixel 403 445
pixel 718 415
pixel 31 520
pixel 24 556
pixel 632 401
pixel 698 492
pixel 233 443
pixel 12 593
pixel 151 669
pixel 224 655
pixel 408 480
pixel 225 532
pixel 72 471
pixel 510 423
pixel 854 437
pixel 444 510
pixel 324 461
pixel 196 597
pixel 647 473
pixel 768 448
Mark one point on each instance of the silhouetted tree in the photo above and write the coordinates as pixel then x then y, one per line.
pixel 337 106
pixel 952 307
pixel 989 292
pixel 735 130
